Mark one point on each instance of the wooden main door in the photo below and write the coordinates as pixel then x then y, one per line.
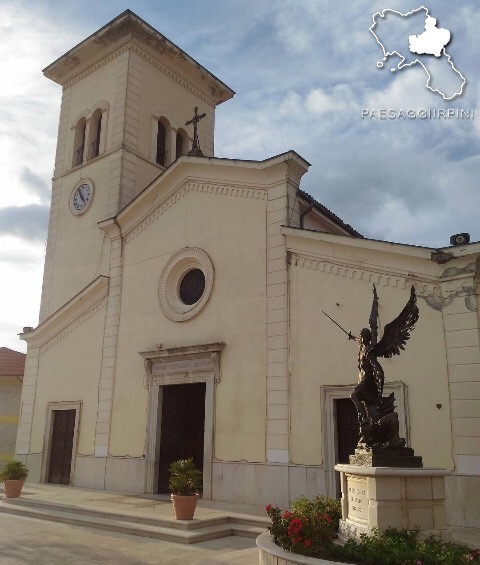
pixel 61 447
pixel 182 427
pixel 347 432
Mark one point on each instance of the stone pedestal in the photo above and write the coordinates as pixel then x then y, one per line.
pixel 385 457
pixel 388 497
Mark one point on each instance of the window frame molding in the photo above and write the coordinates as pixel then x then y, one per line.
pixel 166 367
pixel 176 267
pixel 330 393
pixel 47 443
pixel 104 106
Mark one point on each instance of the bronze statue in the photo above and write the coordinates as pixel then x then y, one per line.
pixel 376 413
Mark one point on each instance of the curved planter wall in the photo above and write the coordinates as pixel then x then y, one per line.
pixel 271 554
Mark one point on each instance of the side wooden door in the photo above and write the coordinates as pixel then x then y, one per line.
pixel 347 433
pixel 61 447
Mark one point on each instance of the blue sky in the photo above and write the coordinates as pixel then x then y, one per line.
pixel 302 70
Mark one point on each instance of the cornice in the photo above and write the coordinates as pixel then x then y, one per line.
pixel 73 326
pixel 371 274
pixel 70 316
pixel 99 64
pixel 184 189
pixel 167 71
pixel 209 100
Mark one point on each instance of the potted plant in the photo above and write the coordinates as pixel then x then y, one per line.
pixel 184 482
pixel 13 476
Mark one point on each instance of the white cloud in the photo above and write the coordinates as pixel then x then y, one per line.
pixel 297 23
pixel 21 266
pixel 341 98
pixel 30 103
pixel 406 91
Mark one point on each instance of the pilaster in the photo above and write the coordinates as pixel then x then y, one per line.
pixel 61 157
pixel 281 210
pixel 109 350
pixel 462 340
pixel 125 119
pixel 29 390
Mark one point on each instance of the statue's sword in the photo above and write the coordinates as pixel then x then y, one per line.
pixel 345 331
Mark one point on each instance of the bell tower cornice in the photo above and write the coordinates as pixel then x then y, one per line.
pixel 128 31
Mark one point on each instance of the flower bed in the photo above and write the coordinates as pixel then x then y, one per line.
pixel 271 554
pixel 306 535
pixel 308 527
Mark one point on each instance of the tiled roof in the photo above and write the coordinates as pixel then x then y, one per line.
pixel 12 363
pixel 328 213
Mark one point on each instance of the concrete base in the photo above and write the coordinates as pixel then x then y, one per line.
pixel 386 497
pixel 235 482
pixel 463 508
pixel 259 483
pixel 271 554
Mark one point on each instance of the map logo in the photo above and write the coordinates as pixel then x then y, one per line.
pixel 400 36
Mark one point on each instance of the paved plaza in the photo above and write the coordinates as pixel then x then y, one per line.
pixel 28 540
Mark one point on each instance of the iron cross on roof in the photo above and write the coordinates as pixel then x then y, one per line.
pixel 196 151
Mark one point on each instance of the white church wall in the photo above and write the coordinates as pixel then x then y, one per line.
pixel 68 371
pixel 321 354
pixel 162 95
pixel 81 249
pixel 80 97
pixel 232 231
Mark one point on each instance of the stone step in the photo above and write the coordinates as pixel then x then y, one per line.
pixel 117 515
pixel 161 529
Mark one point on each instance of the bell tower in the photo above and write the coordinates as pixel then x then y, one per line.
pixel 127 94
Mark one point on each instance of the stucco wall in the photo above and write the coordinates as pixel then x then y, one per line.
pixel 69 371
pixel 81 249
pixel 340 282
pixel 232 230
pixel 163 95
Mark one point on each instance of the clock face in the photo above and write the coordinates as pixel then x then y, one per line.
pixel 81 197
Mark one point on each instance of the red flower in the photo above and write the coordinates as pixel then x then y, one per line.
pixel 307 542
pixel 268 507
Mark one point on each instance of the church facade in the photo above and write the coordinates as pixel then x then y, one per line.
pixel 182 297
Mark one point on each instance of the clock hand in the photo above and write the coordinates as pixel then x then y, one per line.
pixel 81 196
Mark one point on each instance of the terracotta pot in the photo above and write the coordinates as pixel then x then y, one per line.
pixel 13 488
pixel 184 506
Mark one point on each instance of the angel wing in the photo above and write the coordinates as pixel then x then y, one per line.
pixel 373 320
pixel 397 332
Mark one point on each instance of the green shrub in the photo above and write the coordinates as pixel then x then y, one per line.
pixel 393 547
pixel 185 478
pixel 310 529
pixel 14 470
pixel 319 505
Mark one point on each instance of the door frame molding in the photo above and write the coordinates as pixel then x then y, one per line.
pixel 47 444
pixel 180 365
pixel 331 393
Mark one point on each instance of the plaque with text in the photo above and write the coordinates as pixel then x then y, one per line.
pixel 182 366
pixel 357 498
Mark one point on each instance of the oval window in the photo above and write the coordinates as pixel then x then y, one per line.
pixel 192 286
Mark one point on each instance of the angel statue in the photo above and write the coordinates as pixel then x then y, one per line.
pixel 376 414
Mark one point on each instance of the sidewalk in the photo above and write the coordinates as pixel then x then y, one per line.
pixel 152 515
pixel 220 532
pixel 151 505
